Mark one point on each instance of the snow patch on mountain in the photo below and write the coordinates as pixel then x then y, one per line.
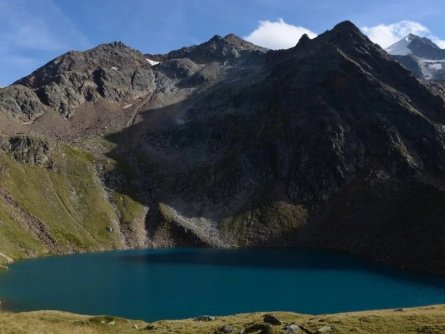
pixel 435 66
pixel 430 67
pixel 152 62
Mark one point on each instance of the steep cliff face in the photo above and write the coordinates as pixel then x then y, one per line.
pixel 328 144
pixel 27 149
pixel 20 102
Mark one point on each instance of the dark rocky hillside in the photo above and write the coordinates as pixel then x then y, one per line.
pixel 330 144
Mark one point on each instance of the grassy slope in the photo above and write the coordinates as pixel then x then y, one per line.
pixel 417 320
pixel 69 200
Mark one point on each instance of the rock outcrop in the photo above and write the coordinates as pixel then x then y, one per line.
pixel 27 149
pixel 20 102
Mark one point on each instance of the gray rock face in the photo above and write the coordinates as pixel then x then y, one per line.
pixel 116 73
pixel 20 102
pixel 292 329
pixel 325 329
pixel 179 68
pixel 124 85
pixel 110 55
pixel 27 149
pixel 113 72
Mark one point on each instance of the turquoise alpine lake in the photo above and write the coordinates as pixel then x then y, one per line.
pixel 182 283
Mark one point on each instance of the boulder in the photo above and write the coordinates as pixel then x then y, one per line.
pixel 259 328
pixel 27 149
pixel 292 329
pixel 227 329
pixel 271 319
pixel 325 329
pixel 205 318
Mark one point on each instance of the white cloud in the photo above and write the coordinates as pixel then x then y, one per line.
pixel 277 34
pixel 387 34
pixel 281 35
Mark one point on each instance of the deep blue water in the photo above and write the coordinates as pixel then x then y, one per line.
pixel 181 283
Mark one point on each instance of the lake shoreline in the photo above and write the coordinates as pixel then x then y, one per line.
pixel 296 269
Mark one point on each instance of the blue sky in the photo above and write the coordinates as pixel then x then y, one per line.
pixel 32 32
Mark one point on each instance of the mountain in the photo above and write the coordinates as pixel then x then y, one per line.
pixel 330 144
pixel 421 56
pixel 216 49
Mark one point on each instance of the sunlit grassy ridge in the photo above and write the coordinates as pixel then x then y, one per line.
pixel 429 320
pixel 60 208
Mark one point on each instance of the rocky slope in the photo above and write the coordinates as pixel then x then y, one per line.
pixel 329 144
pixel 111 72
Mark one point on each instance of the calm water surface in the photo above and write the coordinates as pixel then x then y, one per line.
pixel 180 283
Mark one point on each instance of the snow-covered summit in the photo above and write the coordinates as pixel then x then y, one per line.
pixel 401 48
pixel 421 56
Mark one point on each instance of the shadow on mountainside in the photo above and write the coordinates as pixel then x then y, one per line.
pixel 347 142
pixel 198 161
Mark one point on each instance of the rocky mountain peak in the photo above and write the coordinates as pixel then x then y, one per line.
pixel 111 71
pixel 347 37
pixel 216 48
pixel 418 46
pixel 421 56
pixel 346 26
pixel 410 37
pixel 109 55
pixel 215 38
pixel 236 40
pixel 425 48
pixel 344 31
pixel 304 40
